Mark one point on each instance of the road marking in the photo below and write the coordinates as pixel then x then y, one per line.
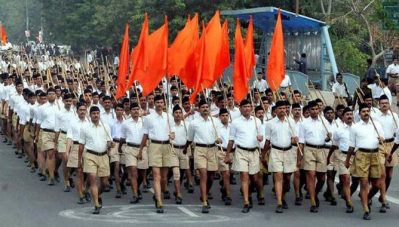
pixel 187 211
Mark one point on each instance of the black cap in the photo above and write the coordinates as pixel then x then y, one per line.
pixel 223 111
pixel 347 109
pixel 158 97
pixel 176 108
pixel 134 105
pixel 244 102
pixel 280 103
pixel 295 106
pixel 94 109
pixel 202 102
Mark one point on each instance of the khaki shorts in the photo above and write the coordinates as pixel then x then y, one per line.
pixel 384 152
pixel 314 159
pixel 159 155
pixel 222 166
pixel 184 159
pixel 206 158
pixel 122 158
pixel 73 156
pixel 14 120
pixel 131 156
pixel 143 163
pixel 282 161
pixel 27 135
pixel 62 141
pixel 114 155
pixel 47 142
pixel 96 164
pixel 246 161
pixel 332 166
pixel 340 163
pixel 366 165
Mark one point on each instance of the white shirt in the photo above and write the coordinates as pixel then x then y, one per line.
pixel 234 112
pixel 312 131
pixel 156 126
pixel 375 90
pixel 260 85
pixel 279 132
pixel 94 137
pixel 74 128
pixel 244 131
pixel 108 117
pixel 339 90
pixel 116 129
pixel 363 135
pixel 24 113
pixel 393 69
pixel 224 133
pixel 63 119
pixel 180 131
pixel 47 116
pixel 132 130
pixel 286 82
pixel 202 131
pixel 341 137
pixel 388 123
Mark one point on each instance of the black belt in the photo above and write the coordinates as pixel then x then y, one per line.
pixel 47 130
pixel 389 140
pixel 344 152
pixel 315 146
pixel 133 145
pixel 225 149
pixel 326 147
pixel 368 150
pixel 178 146
pixel 282 148
pixel 75 142
pixel 160 142
pixel 115 140
pixel 205 145
pixel 294 145
pixel 247 149
pixel 63 131
pixel 96 153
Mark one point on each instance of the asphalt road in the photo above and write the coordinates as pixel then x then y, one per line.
pixel 25 201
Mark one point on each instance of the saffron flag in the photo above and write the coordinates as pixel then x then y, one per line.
pixel 224 55
pixel 123 69
pixel 276 62
pixel 249 49
pixel 138 56
pixel 240 77
pixel 157 60
pixel 3 35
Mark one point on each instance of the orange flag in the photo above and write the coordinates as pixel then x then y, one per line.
pixel 157 59
pixel 182 47
pixel 240 77
pixel 138 56
pixel 198 59
pixel 224 55
pixel 3 35
pixel 276 62
pixel 123 65
pixel 249 49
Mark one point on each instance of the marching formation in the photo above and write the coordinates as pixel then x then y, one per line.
pixel 65 119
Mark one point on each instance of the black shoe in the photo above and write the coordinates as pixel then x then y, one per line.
pixel 366 216
pixel 387 205
pixel 205 209
pixel 383 208
pixel 349 209
pixel 261 201
pixel 71 183
pixel 179 200
pixel 87 196
pixel 32 170
pixel 100 202
pixel 123 189
pixel 227 201
pixel 196 180
pixel 279 209
pixel 166 195
pixel 313 209
pixel 81 200
pixel 51 182
pixel 298 201
pixel 67 188
pixel 118 195
pixel 210 196
pixel 327 197
pixel 160 210
pixel 140 195
pixel 250 202
pixel 43 178
pixel 20 156
pixel 317 202
pixel 245 209
pixel 233 180
pixel 333 202
pixel 57 177
pixel 135 200
pixel 284 205
pixel 96 210
pixel 190 189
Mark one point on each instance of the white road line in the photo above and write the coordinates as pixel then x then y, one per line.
pixel 187 211
pixel 389 198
